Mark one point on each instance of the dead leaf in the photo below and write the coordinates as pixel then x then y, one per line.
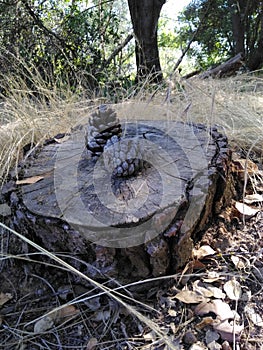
pixel 212 276
pixel 189 297
pixel 228 331
pixel 245 210
pixel 203 251
pixel 30 180
pixel 185 274
pixel 4 298
pixel 201 290
pixel 253 198
pixel 65 313
pixel 218 307
pixel 92 343
pixel 240 262
pixel 217 292
pixel 253 316
pixel 172 312
pixel 245 165
pixel 206 321
pixel 197 265
pixel 233 289
pixel 198 346
pixel 208 291
pixel 101 316
pixel 55 317
pixel 150 336
pixel 229 214
pixel 44 324
pixel 258 182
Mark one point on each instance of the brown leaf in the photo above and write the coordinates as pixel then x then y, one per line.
pixel 206 321
pixel 33 179
pixel 65 313
pixel 245 165
pixel 57 316
pixel 201 290
pixel 203 251
pixel 226 346
pixel 217 293
pixel 30 180
pixel 229 214
pixel 190 297
pixel 197 265
pixel 4 298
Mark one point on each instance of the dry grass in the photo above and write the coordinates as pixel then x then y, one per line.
pixel 236 104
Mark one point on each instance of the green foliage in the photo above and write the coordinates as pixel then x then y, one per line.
pixel 209 23
pixel 166 37
pixel 221 29
pixel 66 41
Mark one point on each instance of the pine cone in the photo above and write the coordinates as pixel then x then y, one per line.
pixel 103 124
pixel 123 158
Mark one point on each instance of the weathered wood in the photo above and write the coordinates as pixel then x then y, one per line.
pixel 127 228
pixel 191 74
pixel 224 69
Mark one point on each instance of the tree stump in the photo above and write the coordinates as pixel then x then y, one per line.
pixel 131 227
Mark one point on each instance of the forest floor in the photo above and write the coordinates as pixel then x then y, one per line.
pixel 214 302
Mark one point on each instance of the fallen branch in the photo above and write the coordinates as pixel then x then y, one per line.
pixel 191 74
pixel 225 69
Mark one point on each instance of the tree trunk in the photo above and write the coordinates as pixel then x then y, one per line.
pixel 255 59
pixel 145 15
pixel 238 26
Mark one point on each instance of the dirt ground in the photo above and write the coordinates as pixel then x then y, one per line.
pixel 215 302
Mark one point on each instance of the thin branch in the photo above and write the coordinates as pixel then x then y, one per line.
pixel 193 37
pixel 115 52
pixel 40 24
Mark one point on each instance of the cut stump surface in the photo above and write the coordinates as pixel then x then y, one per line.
pixel 128 227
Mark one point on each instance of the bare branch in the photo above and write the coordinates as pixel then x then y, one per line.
pixel 116 51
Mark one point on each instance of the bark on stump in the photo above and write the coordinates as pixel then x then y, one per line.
pixel 147 227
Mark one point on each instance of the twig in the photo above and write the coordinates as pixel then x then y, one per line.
pixel 193 37
pixel 115 52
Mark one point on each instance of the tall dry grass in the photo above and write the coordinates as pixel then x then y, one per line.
pixel 30 116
